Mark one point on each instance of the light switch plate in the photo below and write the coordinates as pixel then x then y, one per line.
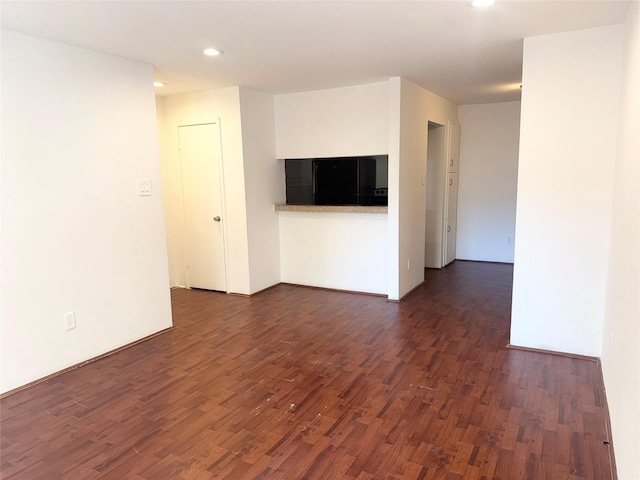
pixel 144 187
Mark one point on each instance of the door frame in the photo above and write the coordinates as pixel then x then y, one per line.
pixel 434 162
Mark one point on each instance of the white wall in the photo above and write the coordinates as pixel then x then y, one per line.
pixel 78 131
pixel 264 186
pixel 336 122
pixel 571 88
pixel 212 106
pixel 168 195
pixel 621 333
pixel 346 251
pixel 487 181
pixel 389 117
pixel 411 108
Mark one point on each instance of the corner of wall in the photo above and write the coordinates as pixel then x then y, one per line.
pixel 393 215
pixel 621 328
pixel 264 187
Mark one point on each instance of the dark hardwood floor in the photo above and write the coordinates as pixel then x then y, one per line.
pixel 298 383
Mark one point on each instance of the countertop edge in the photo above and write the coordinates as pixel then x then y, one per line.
pixel 330 208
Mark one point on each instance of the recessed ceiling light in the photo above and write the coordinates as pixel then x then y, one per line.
pixel 212 52
pixel 158 84
pixel 482 3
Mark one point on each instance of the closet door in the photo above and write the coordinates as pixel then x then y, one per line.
pixel 451 241
pixel 451 193
pixel 200 162
pixel 454 147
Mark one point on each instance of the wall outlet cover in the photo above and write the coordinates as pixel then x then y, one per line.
pixel 70 320
pixel 144 187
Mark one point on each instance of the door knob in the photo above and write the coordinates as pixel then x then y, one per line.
pixel 216 219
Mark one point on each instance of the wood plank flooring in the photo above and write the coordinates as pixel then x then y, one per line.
pixel 298 383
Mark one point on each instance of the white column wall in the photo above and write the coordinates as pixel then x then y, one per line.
pixel 571 88
pixel 488 176
pixel 264 186
pixel 78 130
pixel 393 216
pixel 411 108
pixel 621 333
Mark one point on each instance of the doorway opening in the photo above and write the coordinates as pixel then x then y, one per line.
pixel 434 220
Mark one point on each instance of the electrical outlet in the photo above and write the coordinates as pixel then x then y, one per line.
pixel 144 187
pixel 70 320
pixel 508 239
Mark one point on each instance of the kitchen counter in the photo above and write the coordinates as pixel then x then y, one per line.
pixel 331 208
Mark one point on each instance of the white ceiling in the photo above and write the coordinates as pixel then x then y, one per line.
pixel 465 54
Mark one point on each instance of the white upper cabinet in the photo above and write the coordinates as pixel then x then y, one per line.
pixel 453 154
pixel 452 195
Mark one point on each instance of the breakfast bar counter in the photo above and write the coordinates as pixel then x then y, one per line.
pixel 330 208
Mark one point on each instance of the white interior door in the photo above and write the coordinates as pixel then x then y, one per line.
pixel 200 161
pixel 451 196
pixel 450 254
pixel 454 147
